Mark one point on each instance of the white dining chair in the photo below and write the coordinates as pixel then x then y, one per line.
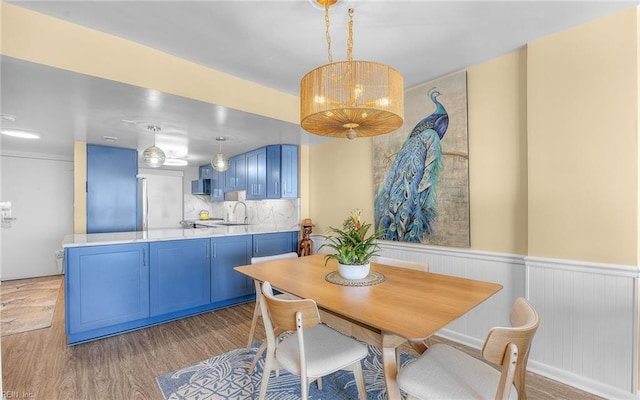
pixel 443 372
pixel 313 350
pixel 395 262
pixel 256 310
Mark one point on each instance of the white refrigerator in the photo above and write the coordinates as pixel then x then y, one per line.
pixel 160 200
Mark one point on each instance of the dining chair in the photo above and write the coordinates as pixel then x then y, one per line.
pixel 256 310
pixel 401 263
pixel 313 350
pixel 445 372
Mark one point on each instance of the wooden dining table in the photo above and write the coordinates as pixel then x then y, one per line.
pixel 408 306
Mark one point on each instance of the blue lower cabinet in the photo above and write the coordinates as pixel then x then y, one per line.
pixel 179 275
pixel 269 244
pixel 106 286
pixel 227 283
pixel 112 289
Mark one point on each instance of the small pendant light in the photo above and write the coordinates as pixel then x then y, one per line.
pixel 220 162
pixel 153 156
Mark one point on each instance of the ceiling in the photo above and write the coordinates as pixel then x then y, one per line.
pixel 273 43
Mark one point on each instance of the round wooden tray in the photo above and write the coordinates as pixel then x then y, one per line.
pixel 372 279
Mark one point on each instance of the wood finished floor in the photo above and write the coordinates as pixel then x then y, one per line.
pixel 39 364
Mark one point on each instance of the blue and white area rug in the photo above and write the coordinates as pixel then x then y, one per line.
pixel 226 377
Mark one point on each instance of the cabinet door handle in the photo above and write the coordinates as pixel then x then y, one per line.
pixel 215 250
pixel 144 257
pixel 275 187
pixel 206 256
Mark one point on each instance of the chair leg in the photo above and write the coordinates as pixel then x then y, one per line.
pixel 304 387
pixel 256 358
pixel 256 314
pixel 359 378
pixel 268 365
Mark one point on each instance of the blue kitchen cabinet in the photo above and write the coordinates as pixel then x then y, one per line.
pixel 111 189
pixel 282 171
pixel 235 178
pixel 269 244
pixel 217 185
pixel 205 171
pixel 289 171
pixel 274 159
pixel 256 174
pixel 226 283
pixel 106 288
pixel 201 186
pixel 179 275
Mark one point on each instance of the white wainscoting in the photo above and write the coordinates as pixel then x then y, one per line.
pixel 589 325
pixel 588 336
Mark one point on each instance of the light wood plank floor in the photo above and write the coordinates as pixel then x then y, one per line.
pixel 41 365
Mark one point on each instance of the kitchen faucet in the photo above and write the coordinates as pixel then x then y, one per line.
pixel 246 217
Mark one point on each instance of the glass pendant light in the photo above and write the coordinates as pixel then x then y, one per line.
pixel 153 156
pixel 220 162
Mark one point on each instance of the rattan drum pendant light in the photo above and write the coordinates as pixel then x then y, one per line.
pixel 350 98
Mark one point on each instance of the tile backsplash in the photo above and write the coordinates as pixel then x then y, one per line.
pixel 279 212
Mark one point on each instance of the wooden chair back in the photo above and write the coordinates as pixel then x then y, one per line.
pixel 510 346
pixel 282 313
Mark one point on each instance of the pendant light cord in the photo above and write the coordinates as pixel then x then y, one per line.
pixel 350 37
pixel 327 34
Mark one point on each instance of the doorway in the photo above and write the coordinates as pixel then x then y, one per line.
pixel 41 196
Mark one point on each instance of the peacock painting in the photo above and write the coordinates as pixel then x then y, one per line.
pixel 407 200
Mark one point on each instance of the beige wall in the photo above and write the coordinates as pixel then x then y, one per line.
pixel 341 173
pixel 38 38
pixel 496 93
pixel 583 150
pixel 340 180
pixel 79 187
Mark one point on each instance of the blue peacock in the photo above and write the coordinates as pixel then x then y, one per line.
pixel 405 205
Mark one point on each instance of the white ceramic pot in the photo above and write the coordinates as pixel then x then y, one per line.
pixel 353 272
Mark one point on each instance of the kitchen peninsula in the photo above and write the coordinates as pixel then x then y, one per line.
pixel 118 282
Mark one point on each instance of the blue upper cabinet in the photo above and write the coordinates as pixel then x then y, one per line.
pixel 289 171
pixel 206 171
pixel 111 189
pixel 273 172
pixel 282 171
pixel 235 178
pixel 256 174
pixel 217 185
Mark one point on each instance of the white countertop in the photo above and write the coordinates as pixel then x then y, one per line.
pixel 153 235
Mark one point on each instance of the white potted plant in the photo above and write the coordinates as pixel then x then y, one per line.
pixel 353 249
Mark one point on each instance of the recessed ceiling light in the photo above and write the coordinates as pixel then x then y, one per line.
pixel 22 134
pixel 110 138
pixel 175 162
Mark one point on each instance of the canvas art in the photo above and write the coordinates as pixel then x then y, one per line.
pixel 421 171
